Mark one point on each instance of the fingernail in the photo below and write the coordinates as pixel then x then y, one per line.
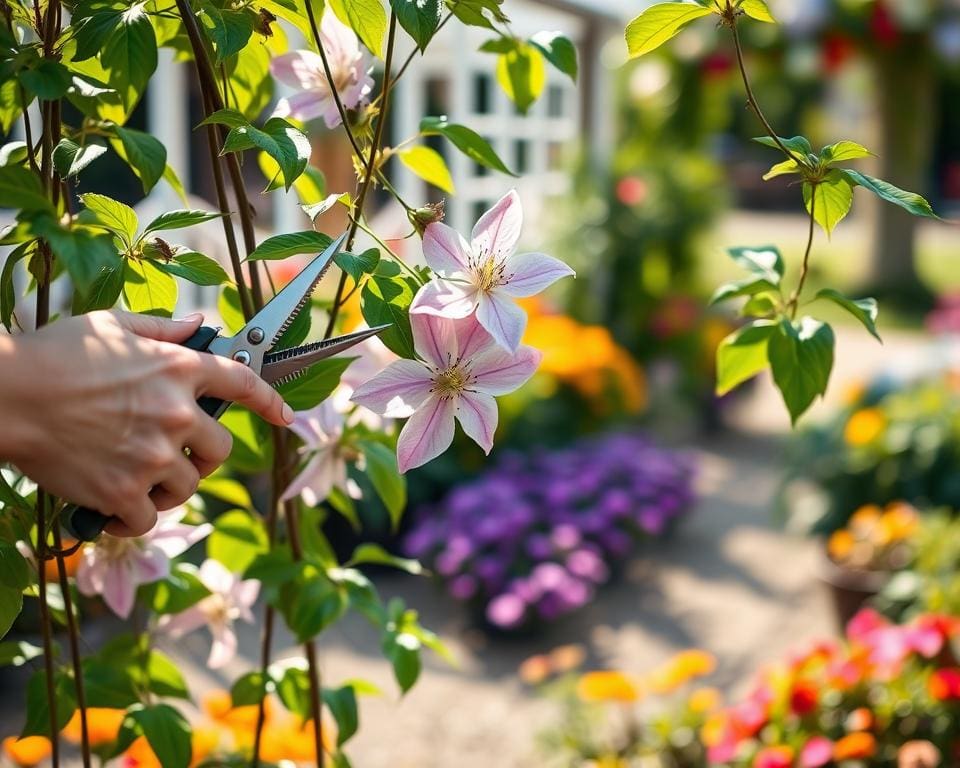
pixel 191 318
pixel 287 414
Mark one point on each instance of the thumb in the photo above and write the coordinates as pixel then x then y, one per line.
pixel 160 328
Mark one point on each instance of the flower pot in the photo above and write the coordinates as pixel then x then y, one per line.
pixel 850 588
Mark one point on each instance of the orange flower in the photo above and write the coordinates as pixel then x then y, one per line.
pixel 899 521
pixel 856 746
pixel 70 563
pixel 140 755
pixel 705 700
pixel 607 687
pixel 566 658
pixel 860 719
pixel 535 670
pixel 774 757
pixel 204 740
pixel 840 545
pixel 865 519
pixel 27 752
pixel 287 740
pixel 680 670
pixel 103 725
pixel 864 427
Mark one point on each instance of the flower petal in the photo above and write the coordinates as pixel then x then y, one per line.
pixel 477 413
pixel 530 273
pixel 499 373
pixel 150 565
pixel 472 338
pixel 445 250
pixel 434 339
pixel 224 646
pixel 498 230
pixel 315 481
pixel 503 319
pixel 427 434
pixel 301 69
pixel 173 539
pixel 183 623
pixel 216 576
pixel 445 298
pixel 305 106
pixel 120 588
pixel 397 390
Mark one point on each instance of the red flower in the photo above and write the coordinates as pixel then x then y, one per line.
pixel 804 697
pixel 774 757
pixel 632 190
pixel 944 684
pixel 837 50
pixel 884 26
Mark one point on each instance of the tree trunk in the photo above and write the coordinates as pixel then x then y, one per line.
pixel 906 82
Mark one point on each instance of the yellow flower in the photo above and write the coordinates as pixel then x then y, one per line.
pixel 27 752
pixel 606 687
pixel 899 521
pixel 680 670
pixel 705 700
pixel 864 520
pixel 864 427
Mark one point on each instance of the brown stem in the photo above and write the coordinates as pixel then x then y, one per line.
pixel 73 633
pixel 751 99
pixel 45 620
pixel 370 169
pixel 794 302
pixel 328 72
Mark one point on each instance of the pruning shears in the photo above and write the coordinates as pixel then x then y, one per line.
pixel 252 346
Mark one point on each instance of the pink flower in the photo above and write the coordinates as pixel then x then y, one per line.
pixel 816 753
pixel 114 567
pixel 486 275
pixel 230 599
pixel 321 430
pixel 304 71
pixel 460 371
pixel 780 756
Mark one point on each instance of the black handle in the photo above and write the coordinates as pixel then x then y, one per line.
pixel 85 524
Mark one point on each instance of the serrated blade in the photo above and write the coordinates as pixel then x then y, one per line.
pixel 289 364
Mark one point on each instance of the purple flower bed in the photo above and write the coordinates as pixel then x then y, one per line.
pixel 533 537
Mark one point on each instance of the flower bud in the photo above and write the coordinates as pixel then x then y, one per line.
pixel 157 249
pixel 422 218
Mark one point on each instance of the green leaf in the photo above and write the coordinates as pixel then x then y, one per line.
pixel 145 155
pixel 764 261
pixel 390 485
pixel 358 265
pixel 782 169
pixel 386 299
pixel 248 690
pixel 375 554
pixel 195 267
pixel 179 590
pixel 468 141
pixel 168 734
pixel 114 683
pixel 844 150
pixel 429 165
pixel 228 307
pixel 229 117
pixel 47 79
pixel 801 358
pixel 130 53
pixel 14 570
pixel 343 505
pixel 69 158
pixel 249 83
pixel 164 678
pixel 229 30
pixel 8 296
pixel 342 703
pixel 10 106
pixel 865 310
pixel 365 17
pixel 310 186
pixel 21 189
pixel 148 290
pixel 316 385
pixel 478 13
pixel 315 605
pixel 84 253
pixel 110 214
pixel 403 651
pixel 658 24
pixel 105 290
pixel 420 18
pixel 11 603
pixel 227 489
pixel 38 709
pixel 179 220
pixel 293 688
pixel 93 23
pixel 522 75
pixel 320 208
pixel 237 538
pixel 797 144
pixel 909 201
pixel 16 653
pixel 742 355
pixel 749 286
pixel 559 51
pixel 290 244
pixel 831 200
pixel 757 9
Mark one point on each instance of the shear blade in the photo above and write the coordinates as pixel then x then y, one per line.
pixel 288 364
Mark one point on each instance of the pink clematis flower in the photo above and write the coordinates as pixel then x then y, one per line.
pixel 460 371
pixel 230 599
pixel 114 567
pixel 486 275
pixel 321 430
pixel 304 71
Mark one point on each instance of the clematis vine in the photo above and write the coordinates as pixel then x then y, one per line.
pixel 304 71
pixel 485 275
pixel 460 371
pixel 230 599
pixel 321 430
pixel 114 567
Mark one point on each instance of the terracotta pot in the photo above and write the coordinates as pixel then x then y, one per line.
pixel 850 588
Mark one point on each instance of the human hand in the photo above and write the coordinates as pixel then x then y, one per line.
pixel 98 410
